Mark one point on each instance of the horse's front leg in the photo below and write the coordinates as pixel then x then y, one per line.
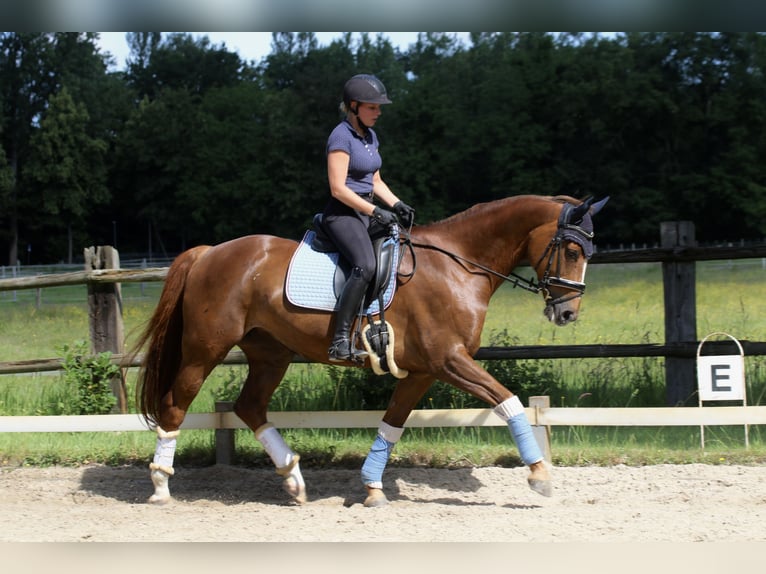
pixel 512 412
pixel 407 393
pixel 462 371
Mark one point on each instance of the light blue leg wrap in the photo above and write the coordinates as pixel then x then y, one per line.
pixel 377 458
pixel 512 411
pixel 521 432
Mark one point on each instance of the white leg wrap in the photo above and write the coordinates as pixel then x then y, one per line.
pixel 274 445
pixel 389 433
pixel 509 408
pixel 162 433
pixel 284 459
pixel 165 451
pixel 162 465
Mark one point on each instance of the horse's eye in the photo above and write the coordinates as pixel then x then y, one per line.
pixel 572 254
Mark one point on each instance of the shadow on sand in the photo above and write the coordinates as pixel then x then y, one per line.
pixel 237 485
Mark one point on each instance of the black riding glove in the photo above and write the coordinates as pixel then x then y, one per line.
pixel 383 216
pixel 405 213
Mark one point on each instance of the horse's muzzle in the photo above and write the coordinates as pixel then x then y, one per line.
pixel 562 313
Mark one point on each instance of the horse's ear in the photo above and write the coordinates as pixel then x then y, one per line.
pixel 596 207
pixel 576 214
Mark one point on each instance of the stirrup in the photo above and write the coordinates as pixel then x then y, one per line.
pixel 342 350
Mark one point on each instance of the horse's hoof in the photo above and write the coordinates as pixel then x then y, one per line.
pixel 295 490
pixel 540 479
pixel 159 500
pixel 541 486
pixel 160 480
pixel 375 498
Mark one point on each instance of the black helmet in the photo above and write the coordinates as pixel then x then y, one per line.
pixel 365 88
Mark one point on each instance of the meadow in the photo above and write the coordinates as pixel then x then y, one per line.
pixel 623 304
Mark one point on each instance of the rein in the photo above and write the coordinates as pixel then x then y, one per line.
pixel 552 251
pixel 513 278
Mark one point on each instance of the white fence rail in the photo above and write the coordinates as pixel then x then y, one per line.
pixel 644 416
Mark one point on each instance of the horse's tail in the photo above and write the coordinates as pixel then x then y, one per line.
pixel 163 335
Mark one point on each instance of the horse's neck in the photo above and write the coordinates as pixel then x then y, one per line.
pixel 494 234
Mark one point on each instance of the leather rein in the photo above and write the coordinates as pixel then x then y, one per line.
pixel 552 252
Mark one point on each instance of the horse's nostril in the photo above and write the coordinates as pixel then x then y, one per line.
pixel 568 316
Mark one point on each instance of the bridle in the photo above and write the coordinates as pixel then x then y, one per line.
pixel 565 231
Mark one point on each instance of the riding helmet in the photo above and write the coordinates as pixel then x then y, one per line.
pixel 365 88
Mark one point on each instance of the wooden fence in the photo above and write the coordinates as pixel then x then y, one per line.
pixel 678 253
pixel 541 417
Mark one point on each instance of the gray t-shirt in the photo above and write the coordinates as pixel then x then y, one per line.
pixel 364 159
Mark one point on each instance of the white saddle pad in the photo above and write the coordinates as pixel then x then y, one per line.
pixel 311 274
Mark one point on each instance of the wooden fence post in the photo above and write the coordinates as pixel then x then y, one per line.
pixel 224 438
pixel 679 290
pixel 105 314
pixel 542 433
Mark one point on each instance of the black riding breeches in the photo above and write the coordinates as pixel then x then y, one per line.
pixel 349 231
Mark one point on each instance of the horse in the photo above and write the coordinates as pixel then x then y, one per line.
pixel 233 294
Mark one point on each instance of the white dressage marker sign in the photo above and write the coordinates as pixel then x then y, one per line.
pixel 721 378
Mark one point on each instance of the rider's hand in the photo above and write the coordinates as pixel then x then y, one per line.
pixel 384 216
pixel 405 213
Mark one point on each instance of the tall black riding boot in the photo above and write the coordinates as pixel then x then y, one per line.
pixel 342 347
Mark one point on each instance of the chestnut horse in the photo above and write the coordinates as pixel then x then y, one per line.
pixel 233 294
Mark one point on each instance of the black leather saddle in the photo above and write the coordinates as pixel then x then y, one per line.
pixel 384 257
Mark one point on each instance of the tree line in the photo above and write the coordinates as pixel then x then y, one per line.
pixel 190 144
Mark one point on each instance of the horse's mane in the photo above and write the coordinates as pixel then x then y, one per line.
pixel 479 208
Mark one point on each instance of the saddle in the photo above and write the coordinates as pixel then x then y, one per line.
pixel 384 258
pixel 318 273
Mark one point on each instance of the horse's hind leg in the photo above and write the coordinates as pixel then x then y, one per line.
pixel 268 361
pixel 174 406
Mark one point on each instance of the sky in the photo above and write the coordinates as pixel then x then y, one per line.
pixel 249 45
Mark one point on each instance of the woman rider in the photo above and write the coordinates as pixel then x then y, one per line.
pixel 353 170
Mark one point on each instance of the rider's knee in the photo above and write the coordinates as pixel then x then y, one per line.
pixel 364 272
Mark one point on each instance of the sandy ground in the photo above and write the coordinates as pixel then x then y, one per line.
pixel 666 503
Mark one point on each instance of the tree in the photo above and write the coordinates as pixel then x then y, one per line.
pixel 24 88
pixel 178 61
pixel 6 183
pixel 33 68
pixel 416 131
pixel 66 166
pixel 201 147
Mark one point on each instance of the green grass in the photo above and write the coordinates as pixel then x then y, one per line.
pixel 438 448
pixel 623 304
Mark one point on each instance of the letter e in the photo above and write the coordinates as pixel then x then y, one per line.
pixel 716 375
